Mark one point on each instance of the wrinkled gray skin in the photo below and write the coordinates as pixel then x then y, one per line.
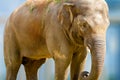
pixel 46 29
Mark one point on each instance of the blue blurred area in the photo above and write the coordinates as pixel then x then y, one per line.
pixel 112 64
pixel 113 51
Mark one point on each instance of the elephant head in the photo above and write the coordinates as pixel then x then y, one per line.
pixel 87 20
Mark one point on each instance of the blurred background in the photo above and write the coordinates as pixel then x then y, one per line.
pixel 112 64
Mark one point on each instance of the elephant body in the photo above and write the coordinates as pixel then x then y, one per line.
pixel 41 29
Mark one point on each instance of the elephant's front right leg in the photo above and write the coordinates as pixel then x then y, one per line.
pixel 31 67
pixel 61 67
pixel 77 64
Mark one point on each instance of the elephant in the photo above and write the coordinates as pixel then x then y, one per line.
pixel 61 30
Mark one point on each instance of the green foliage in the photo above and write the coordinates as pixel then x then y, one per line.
pixel 58 1
pixel 32 7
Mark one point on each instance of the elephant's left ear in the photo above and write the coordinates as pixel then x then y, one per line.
pixel 65 11
pixel 68 7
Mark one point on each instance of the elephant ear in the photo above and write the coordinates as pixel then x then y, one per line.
pixel 65 14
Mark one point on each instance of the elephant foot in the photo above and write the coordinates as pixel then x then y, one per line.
pixel 84 75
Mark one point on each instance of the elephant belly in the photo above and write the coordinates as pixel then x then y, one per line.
pixel 36 54
pixel 34 48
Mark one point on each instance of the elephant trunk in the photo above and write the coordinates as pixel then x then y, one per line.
pixel 97 46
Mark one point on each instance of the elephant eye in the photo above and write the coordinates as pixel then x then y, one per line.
pixel 84 27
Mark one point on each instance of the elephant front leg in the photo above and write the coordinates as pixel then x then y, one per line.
pixel 61 66
pixel 31 68
pixel 77 64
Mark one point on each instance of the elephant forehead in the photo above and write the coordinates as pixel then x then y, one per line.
pixel 88 7
pixel 95 13
pixel 97 22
